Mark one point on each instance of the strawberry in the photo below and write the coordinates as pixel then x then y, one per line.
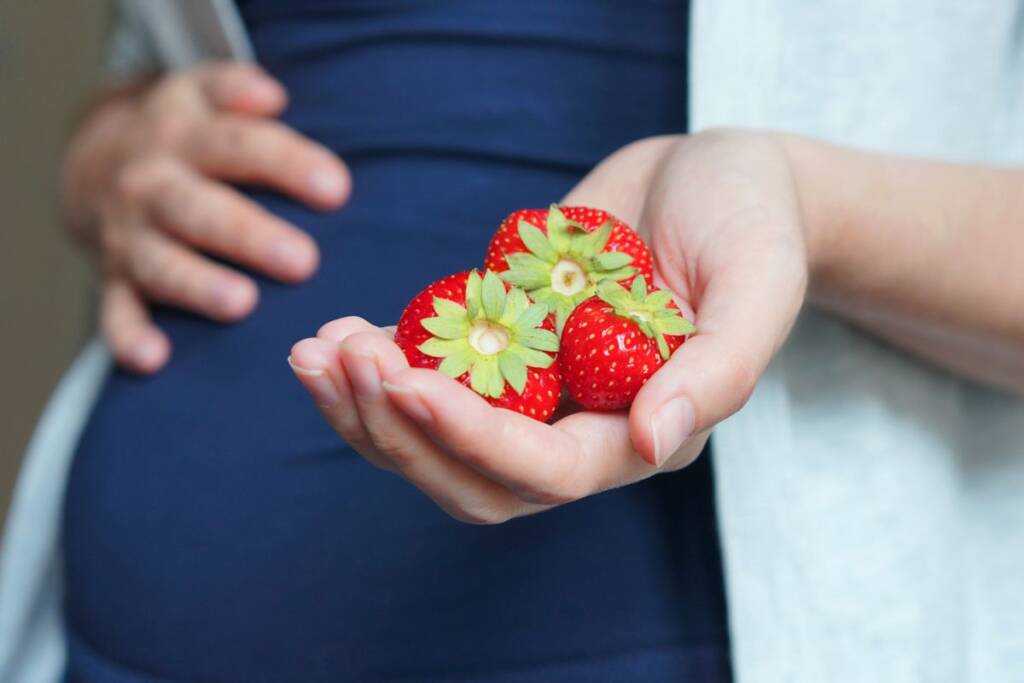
pixel 490 337
pixel 558 255
pixel 614 342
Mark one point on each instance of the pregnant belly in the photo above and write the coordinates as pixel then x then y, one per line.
pixel 216 529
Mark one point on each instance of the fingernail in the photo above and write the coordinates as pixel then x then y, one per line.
pixel 317 383
pixel 263 92
pixel 327 185
pixel 148 353
pixel 410 401
pixel 230 298
pixel 288 256
pixel 671 425
pixel 365 376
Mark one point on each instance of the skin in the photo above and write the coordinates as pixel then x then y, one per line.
pixel 746 229
pixel 145 186
pixel 923 254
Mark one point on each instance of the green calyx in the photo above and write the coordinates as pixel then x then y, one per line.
pixel 562 268
pixel 651 312
pixel 496 337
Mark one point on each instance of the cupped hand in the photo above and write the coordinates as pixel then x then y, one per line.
pixel 721 214
pixel 146 185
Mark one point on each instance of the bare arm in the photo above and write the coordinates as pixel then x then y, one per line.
pixel 924 254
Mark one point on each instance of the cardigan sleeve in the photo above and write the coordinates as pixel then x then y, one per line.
pixel 130 47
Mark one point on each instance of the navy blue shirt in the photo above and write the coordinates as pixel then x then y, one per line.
pixel 217 530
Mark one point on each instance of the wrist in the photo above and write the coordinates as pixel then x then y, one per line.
pixel 823 183
pixel 90 164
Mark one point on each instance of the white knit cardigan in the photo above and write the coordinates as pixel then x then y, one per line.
pixel 871 508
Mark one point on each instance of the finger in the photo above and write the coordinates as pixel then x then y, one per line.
pixel 318 364
pixel 272 154
pixel 241 88
pixel 172 274
pixel 318 368
pixel 543 464
pixel 215 218
pixel 457 488
pixel 134 341
pixel 745 311
pixel 344 416
pixel 337 331
pixel 687 453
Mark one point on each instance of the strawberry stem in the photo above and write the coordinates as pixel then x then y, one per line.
pixel 652 313
pixel 495 337
pixel 562 268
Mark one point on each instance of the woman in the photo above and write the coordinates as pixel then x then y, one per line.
pixel 293 559
pixel 739 223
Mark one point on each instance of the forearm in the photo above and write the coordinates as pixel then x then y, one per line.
pixel 923 254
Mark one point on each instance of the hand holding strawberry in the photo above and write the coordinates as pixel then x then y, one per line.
pixel 499 347
pixel 724 225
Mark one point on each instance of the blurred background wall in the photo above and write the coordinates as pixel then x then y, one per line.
pixel 49 53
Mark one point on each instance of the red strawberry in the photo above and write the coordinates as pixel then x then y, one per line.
pixel 614 342
pixel 558 255
pixel 488 336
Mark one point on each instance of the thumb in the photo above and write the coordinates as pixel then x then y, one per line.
pixel 702 384
pixel 744 315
